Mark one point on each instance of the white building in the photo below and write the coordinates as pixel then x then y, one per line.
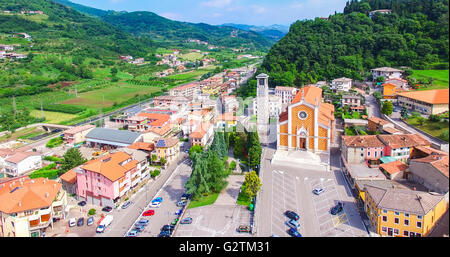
pixel 21 162
pixel 341 84
pixel 275 106
pixel 387 73
pixel 286 94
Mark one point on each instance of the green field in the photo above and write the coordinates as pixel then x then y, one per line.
pixel 435 129
pixel 191 56
pixel 52 117
pixel 440 78
pixel 106 97
pixel 206 200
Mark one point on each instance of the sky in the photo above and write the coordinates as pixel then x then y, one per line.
pixel 216 12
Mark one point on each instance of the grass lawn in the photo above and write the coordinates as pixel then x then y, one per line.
pixel 440 78
pixel 206 200
pixel 119 93
pixel 435 129
pixel 53 117
pixel 243 200
pixel 191 56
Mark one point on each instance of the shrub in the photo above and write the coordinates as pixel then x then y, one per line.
pixel 53 159
pixel 444 136
pixel 434 118
pixel 92 211
pixel 64 108
pixel 52 143
pixel 233 165
pixel 155 173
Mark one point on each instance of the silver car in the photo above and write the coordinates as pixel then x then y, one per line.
pixel 318 191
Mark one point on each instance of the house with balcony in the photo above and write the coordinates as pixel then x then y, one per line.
pixel 106 180
pixel 400 146
pixel 362 149
pixel 142 166
pixel 203 135
pixel 29 206
pixel 386 73
pixel 77 134
pixel 341 84
pixel 226 121
pixel 167 148
pixel 286 94
pixel 19 163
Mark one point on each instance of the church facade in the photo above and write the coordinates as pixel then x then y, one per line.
pixel 307 124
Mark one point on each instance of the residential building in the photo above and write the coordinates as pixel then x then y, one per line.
pixel 110 138
pixel 362 149
pixel 389 91
pixel 426 102
pixel 188 90
pixel 431 171
pixel 387 73
pixel 351 100
pixel 143 146
pixel 69 182
pixel 286 94
pixel 230 103
pixel 29 206
pixel 341 84
pixel 19 163
pixel 401 84
pixel 106 180
pixel 226 121
pixel 400 146
pixel 381 11
pixel 275 106
pixel 202 135
pixel 375 124
pixel 403 212
pixel 167 148
pixel 77 134
pixel 142 159
pixel 308 124
pixel 395 170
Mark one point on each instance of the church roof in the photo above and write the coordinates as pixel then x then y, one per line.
pixel 310 93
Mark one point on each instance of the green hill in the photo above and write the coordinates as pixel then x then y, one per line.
pixel 349 44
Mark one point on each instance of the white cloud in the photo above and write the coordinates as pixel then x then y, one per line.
pixel 216 3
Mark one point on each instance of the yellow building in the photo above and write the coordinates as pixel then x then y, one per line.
pixel 308 123
pixel 403 212
pixel 167 148
pixel 28 206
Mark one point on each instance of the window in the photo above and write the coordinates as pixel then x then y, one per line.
pixel 396 231
pixel 384 229
pixel 419 217
pixel 405 233
pixel 406 222
pixel 418 235
pixel 385 218
pixel 384 211
pixel 407 215
pixel 368 153
pixel 397 213
pixel 419 224
pixel 396 221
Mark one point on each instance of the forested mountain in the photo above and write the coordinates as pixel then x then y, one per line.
pixel 349 44
pixel 163 29
pixel 273 32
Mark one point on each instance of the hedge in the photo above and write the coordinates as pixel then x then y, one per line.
pixel 64 108
pixel 54 142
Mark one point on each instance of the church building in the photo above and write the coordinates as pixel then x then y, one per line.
pixel 307 124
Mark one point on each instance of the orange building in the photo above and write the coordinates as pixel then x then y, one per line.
pixel 308 123
pixel 389 91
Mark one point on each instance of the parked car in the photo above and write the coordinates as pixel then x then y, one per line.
pixel 337 209
pixel 132 233
pixel 139 228
pixel 169 228
pixel 186 221
pixel 244 229
pixel 157 199
pixel 149 213
pixel 294 233
pixel 164 234
pixel 186 197
pixel 318 190
pixel 178 213
pixel 126 205
pixel 80 222
pixel 181 203
pixel 143 222
pixel 82 203
pixel 72 222
pixel 107 209
pixel 293 224
pixel 155 205
pixel 90 221
pixel 292 215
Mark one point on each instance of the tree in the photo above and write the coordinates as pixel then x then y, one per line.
pixel 434 118
pixel 154 158
pixel 72 158
pixel 114 71
pixel 404 112
pixel 421 120
pixel 377 95
pixel 254 156
pixel 380 79
pixel 195 149
pixel 252 184
pixel 238 147
pixel 219 145
pixel 163 161
pixel 387 108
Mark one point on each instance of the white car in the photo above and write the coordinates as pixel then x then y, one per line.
pixel 318 190
pixel 72 222
pixel 155 205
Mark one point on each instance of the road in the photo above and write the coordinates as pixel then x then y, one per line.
pixel 125 218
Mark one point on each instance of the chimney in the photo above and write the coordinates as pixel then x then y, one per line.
pixel 46 195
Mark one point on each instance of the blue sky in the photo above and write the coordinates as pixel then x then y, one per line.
pixel 252 12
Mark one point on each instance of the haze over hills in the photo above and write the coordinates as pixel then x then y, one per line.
pixel 273 32
pixel 163 29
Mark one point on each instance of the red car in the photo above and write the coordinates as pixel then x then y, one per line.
pixel 149 213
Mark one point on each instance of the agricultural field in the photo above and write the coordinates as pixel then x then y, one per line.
pixel 192 57
pixel 440 78
pixel 53 117
pixel 22 134
pixel 192 75
pixel 436 129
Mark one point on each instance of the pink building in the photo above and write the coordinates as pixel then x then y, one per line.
pixel 105 180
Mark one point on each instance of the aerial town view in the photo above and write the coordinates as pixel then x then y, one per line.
pixel 175 119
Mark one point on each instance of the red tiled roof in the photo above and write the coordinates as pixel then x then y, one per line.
pixel 70 177
pixel 362 141
pixel 405 140
pixel 394 167
pixel 310 94
pixel 79 129
pixel 440 162
pixel 109 166
pixel 437 96
pixel 142 146
pixel 378 121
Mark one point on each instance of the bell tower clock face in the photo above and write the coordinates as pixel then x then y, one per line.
pixel 302 115
pixel 261 82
